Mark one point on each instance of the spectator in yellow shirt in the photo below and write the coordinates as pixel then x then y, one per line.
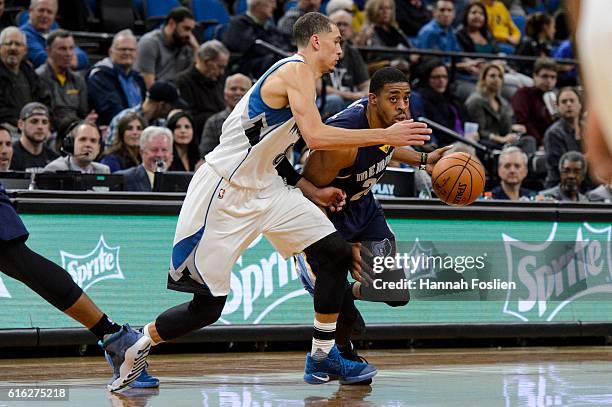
pixel 501 24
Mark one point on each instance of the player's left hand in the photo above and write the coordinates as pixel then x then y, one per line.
pixel 331 198
pixel 361 269
pixel 435 156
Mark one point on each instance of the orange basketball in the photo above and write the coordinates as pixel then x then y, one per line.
pixel 458 179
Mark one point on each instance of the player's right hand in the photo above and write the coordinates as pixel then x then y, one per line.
pixel 407 133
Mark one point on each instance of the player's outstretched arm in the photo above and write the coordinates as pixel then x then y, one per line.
pixel 300 84
pixel 411 157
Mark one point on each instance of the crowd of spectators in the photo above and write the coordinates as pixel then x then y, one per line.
pixel 157 102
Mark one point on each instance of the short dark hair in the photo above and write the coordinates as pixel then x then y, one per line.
pixel 570 89
pixel 573 156
pixel 178 14
pixel 544 63
pixel 59 33
pixel 384 76
pixel 308 25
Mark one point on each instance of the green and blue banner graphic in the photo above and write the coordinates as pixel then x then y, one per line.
pixel 532 271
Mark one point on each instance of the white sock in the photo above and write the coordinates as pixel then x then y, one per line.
pixel 322 339
pixel 145 331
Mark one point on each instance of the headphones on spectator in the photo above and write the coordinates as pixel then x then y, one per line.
pixel 67 135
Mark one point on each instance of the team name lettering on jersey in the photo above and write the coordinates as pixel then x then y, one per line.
pixel 374 169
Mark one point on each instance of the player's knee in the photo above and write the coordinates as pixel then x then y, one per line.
pixel 206 309
pixel 330 252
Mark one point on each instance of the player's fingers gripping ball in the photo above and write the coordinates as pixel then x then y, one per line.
pixel 458 179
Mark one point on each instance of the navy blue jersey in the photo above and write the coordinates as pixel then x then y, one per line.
pixel 356 220
pixel 11 226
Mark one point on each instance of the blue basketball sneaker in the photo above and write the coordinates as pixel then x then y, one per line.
pixel 128 350
pixel 335 367
pixel 144 381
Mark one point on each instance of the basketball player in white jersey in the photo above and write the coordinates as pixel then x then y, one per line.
pixel 238 195
pixel 594 35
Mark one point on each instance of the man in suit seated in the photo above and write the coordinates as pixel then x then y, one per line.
pixel 156 154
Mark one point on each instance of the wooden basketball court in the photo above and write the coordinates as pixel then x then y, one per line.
pixel 537 376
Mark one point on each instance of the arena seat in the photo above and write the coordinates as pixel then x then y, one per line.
pixel 212 16
pixel 155 11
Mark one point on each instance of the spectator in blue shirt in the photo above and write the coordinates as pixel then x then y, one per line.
pixel 113 85
pixel 41 22
pixel 567 73
pixel 438 34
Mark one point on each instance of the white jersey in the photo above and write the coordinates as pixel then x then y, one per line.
pixel 254 138
pixel 594 37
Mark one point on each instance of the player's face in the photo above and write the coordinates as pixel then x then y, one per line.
pixel 331 48
pixel 569 105
pixel 392 103
pixel 6 150
pixel 87 143
pixel 512 169
pixel 131 136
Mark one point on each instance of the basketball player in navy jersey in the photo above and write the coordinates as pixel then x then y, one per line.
pixel 126 348
pixel 356 170
pixel 237 195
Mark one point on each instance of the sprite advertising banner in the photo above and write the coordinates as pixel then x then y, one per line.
pixel 456 270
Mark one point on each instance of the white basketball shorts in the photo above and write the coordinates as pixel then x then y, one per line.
pixel 219 220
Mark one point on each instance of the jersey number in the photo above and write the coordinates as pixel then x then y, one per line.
pixel 253 133
pixel 367 184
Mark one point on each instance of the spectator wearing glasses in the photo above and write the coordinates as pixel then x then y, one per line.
pixel 112 83
pixel 19 84
pixel 201 86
